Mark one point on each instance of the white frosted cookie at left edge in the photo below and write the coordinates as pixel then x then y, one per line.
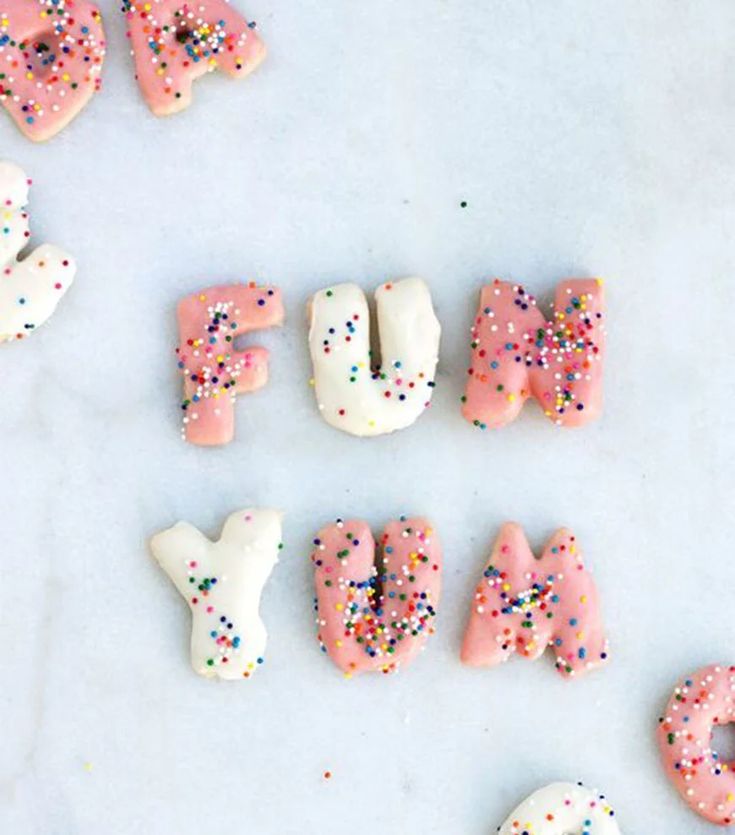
pixel 562 809
pixel 222 582
pixel 353 392
pixel 29 289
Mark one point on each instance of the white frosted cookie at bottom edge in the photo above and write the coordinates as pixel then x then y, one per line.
pixel 29 289
pixel 562 809
pixel 353 394
pixel 222 582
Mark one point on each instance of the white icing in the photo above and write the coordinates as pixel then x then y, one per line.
pixel 575 810
pixel 226 579
pixel 29 289
pixel 351 395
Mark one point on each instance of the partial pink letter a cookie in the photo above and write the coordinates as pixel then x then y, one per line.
pixel 214 371
pixel 174 42
pixel 517 354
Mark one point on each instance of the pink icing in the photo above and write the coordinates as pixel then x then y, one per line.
pixel 517 354
pixel 175 42
pixel 214 371
pixel 376 615
pixel 51 56
pixel 525 605
pixel 699 702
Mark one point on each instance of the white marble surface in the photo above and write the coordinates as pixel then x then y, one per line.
pixel 586 138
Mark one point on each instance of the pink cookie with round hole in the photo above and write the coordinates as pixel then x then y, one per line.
pixel 51 56
pixel 699 703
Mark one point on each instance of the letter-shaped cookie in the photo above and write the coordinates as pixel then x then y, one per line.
pixel 354 393
pixel 51 55
pixel 525 605
pixel 214 371
pixel 222 582
pixel 517 354
pixel 376 614
pixel 562 809
pixel 700 702
pixel 174 42
pixel 29 289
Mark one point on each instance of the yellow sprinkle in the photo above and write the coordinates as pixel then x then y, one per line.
pixel 88 767
pixel 339 606
pixel 583 598
pixel 202 297
pixel 511 398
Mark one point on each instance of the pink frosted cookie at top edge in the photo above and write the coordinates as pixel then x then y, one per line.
pixel 51 55
pixel 175 42
pixel 698 703
pixel 376 614
pixel 517 354
pixel 525 605
pixel 214 371
pixel 30 289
